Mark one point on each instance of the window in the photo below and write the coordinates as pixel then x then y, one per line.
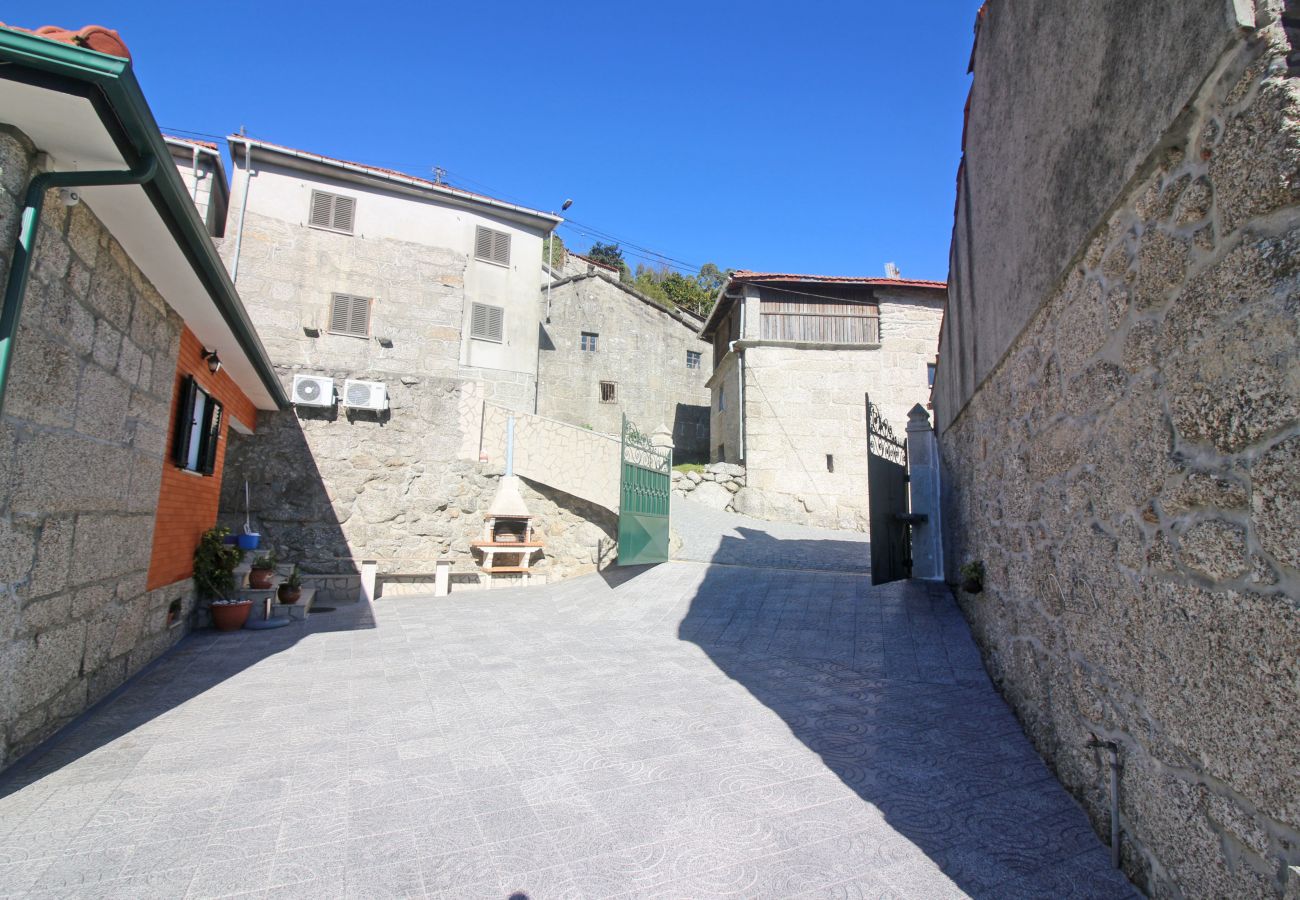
pixel 722 397
pixel 692 359
pixel 929 373
pixel 198 429
pixel 589 341
pixel 487 323
pixel 829 321
pixel 608 392
pixel 830 462
pixel 350 314
pixel 333 212
pixel 492 245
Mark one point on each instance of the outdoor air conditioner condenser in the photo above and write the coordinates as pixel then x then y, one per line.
pixel 371 395
pixel 313 390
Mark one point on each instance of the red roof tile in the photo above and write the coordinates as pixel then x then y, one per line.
pixel 745 275
pixel 594 262
pixel 93 37
pixel 184 140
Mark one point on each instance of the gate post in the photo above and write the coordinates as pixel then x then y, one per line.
pixel 923 470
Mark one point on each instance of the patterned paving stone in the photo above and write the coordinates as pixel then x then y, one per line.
pixel 685 730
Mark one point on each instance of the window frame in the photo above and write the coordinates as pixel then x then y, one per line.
pixel 595 341
pixel 196 435
pixel 613 391
pixel 335 297
pixel 501 322
pixel 333 213
pixel 694 359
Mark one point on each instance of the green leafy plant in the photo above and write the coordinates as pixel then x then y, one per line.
pixel 214 564
pixel 295 578
pixel 267 560
pixel 973 571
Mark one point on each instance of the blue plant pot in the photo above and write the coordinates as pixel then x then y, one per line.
pixel 249 541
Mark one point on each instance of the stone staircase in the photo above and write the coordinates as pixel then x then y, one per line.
pixel 293 611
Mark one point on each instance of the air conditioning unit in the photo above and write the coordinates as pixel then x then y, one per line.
pixel 313 390
pixel 365 395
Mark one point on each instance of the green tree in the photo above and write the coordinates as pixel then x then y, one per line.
pixel 610 255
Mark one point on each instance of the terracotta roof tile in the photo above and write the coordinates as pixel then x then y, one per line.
pixel 184 140
pixel 745 275
pixel 92 37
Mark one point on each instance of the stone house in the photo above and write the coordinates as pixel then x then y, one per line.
pixel 424 296
pixel 1118 409
pixel 114 413
pixel 608 350
pixel 204 175
pixel 794 357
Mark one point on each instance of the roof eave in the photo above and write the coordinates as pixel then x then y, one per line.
pixel 115 79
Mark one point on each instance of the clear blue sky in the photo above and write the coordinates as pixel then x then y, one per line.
pixel 811 137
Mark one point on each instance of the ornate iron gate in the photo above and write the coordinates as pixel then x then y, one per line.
pixel 645 491
pixel 891 551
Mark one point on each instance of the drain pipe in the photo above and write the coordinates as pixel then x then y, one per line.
pixel 1096 743
pixel 740 381
pixel 21 263
pixel 243 209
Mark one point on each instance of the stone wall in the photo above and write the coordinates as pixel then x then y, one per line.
pixel 329 488
pixel 803 405
pixel 1129 474
pixel 717 485
pixel 81 457
pixel 578 461
pixel 641 347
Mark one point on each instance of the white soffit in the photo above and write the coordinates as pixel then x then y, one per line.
pixel 68 129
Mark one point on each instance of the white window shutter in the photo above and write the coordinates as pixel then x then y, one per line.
pixel 360 318
pixel 492 245
pixel 487 323
pixel 340 313
pixel 344 209
pixel 321 209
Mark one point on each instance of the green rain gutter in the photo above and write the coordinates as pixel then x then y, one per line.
pixel 109 84
pixel 21 263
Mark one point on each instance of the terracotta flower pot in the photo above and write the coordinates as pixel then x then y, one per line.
pixel 230 616
pixel 289 594
pixel 260 579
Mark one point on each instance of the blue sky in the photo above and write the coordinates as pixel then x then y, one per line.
pixel 816 137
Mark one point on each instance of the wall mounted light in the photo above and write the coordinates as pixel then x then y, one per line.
pixel 210 357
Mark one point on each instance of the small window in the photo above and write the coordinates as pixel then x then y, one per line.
pixel 492 245
pixel 198 429
pixel 722 398
pixel 608 392
pixel 589 341
pixel 487 323
pixel 929 373
pixel 350 314
pixel 332 212
pixel 692 359
pixel 830 462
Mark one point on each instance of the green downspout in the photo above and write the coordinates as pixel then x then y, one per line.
pixel 21 264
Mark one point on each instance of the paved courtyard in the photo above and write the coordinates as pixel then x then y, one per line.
pixel 723 538
pixel 680 731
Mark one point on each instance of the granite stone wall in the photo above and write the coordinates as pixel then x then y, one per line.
pixel 641 348
pixel 1129 474
pixel 329 487
pixel 82 442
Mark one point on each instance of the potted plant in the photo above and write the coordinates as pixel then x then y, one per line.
pixel 291 588
pixel 214 578
pixel 972 577
pixel 259 579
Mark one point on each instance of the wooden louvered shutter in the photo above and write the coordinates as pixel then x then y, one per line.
pixel 492 245
pixel 322 209
pixel 359 316
pixel 344 208
pixel 486 322
pixel 340 313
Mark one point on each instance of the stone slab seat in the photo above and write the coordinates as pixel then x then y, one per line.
pixel 296 611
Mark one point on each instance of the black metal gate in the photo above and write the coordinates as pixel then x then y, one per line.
pixel 891 550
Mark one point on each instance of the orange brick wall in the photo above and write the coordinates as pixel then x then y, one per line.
pixel 187 503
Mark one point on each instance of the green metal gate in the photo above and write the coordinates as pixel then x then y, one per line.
pixel 645 489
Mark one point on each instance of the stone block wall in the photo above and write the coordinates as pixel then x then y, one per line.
pixel 640 347
pixel 82 442
pixel 717 485
pixel 1129 473
pixel 578 461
